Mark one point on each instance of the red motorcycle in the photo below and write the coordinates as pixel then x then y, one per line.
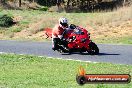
pixel 77 39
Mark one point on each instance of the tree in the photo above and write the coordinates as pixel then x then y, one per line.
pixel 20 3
pixel 2 1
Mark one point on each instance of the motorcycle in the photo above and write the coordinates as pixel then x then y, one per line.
pixel 77 39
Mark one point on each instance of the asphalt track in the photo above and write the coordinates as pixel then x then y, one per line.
pixel 119 54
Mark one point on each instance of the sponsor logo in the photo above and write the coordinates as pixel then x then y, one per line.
pixel 83 78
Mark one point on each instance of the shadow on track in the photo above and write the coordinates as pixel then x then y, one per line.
pixel 100 54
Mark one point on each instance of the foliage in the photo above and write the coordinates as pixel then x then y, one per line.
pixel 6 20
pixel 70 5
pixel 43 8
pixel 1 9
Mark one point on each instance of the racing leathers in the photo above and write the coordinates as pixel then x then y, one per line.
pixel 57 34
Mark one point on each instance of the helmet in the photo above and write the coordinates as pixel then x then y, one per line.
pixel 63 22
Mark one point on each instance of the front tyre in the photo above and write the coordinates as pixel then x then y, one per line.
pixel 94 50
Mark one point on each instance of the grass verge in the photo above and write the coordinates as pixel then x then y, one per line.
pixel 105 27
pixel 23 71
pixel 122 40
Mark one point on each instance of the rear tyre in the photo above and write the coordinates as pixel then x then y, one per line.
pixel 94 50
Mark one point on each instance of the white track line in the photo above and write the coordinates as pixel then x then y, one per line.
pixel 51 57
pixel 72 60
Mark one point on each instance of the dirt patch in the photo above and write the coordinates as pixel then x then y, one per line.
pixel 103 32
pixel 107 31
pixel 34 30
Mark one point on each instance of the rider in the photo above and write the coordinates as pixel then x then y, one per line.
pixel 58 30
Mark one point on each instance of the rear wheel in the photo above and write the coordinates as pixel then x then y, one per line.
pixel 94 50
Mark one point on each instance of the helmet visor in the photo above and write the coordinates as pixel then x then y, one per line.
pixel 64 24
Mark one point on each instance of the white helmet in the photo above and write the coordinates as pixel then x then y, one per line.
pixel 63 22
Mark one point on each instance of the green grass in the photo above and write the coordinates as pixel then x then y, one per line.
pixel 33 16
pixel 23 71
pixel 123 40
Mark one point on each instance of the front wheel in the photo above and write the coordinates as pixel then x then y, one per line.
pixel 94 50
